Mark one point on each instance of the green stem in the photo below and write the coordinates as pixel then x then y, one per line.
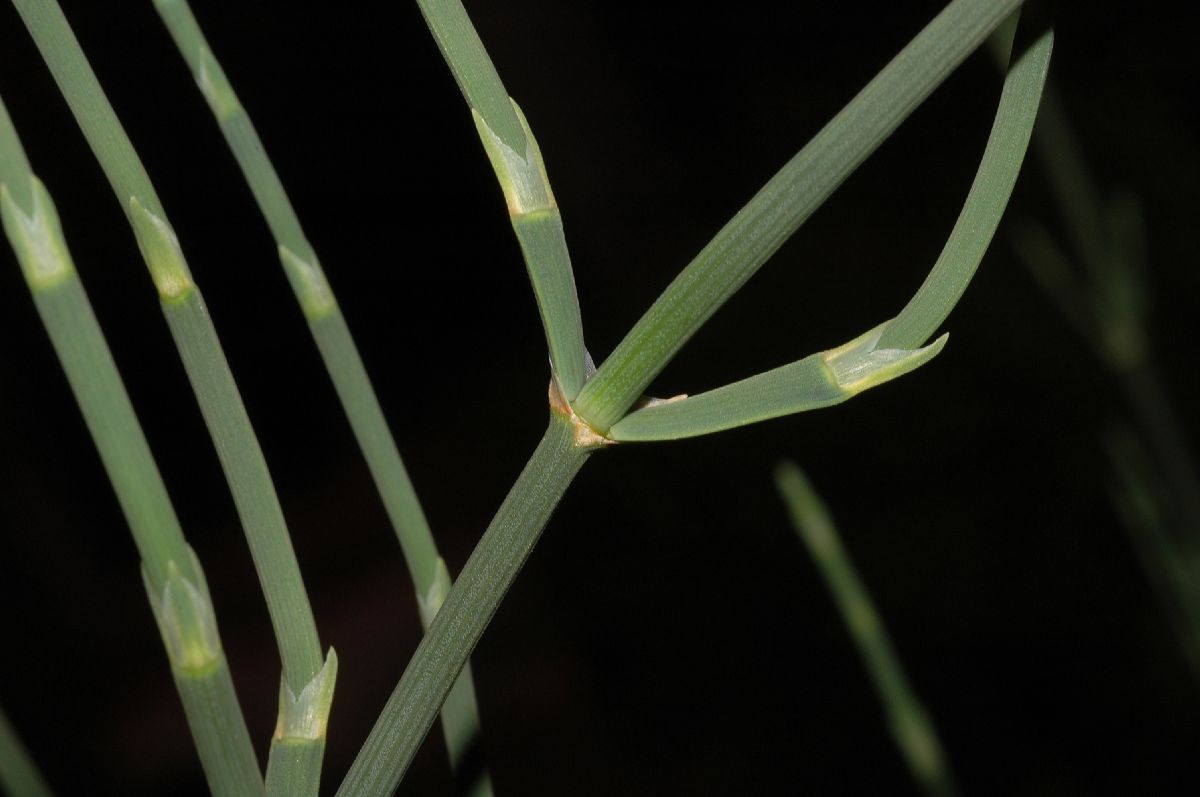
pixel 1020 100
pixel 100 393
pixel 188 625
pixel 460 727
pixel 338 351
pixel 233 436
pixel 312 290
pixel 358 398
pixel 242 458
pixel 791 196
pixel 294 767
pixel 538 225
pixel 19 774
pixel 298 745
pixel 517 161
pixel 467 610
pixel 473 69
pixel 908 721
pixel 173 576
pixel 219 731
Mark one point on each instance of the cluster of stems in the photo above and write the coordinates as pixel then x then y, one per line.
pixel 590 408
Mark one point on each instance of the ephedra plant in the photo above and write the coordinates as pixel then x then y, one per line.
pixel 590 408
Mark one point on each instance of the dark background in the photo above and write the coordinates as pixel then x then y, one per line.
pixel 669 635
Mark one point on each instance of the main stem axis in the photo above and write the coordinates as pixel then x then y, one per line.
pixel 459 624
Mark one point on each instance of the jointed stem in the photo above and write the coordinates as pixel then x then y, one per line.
pixel 233 436
pixel 173 577
pixel 342 361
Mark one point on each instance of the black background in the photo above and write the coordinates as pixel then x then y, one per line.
pixel 669 635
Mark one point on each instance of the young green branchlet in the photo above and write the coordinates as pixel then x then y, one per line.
pixel 819 380
pixel 538 225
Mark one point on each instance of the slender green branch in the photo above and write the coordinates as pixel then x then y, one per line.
pixel 988 197
pixel 298 745
pixel 538 224
pixel 908 720
pixel 819 380
pixel 472 68
pixel 173 577
pixel 338 351
pixel 188 624
pixel 33 228
pixel 19 773
pixel 889 350
pixel 468 608
pixel 517 161
pixel 196 339
pixel 213 384
pixel 791 196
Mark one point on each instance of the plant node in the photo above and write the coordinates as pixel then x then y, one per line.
pixel 586 435
pixel 160 248
pixel 306 716
pixel 184 612
pixel 36 237
pixel 859 365
pixel 308 280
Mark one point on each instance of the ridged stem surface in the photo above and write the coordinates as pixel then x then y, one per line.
pixel 196 339
pixel 469 607
pixel 169 567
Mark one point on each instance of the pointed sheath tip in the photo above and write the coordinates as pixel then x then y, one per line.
pixel 185 617
pixel 217 91
pixel 429 603
pixel 306 716
pixel 309 282
pixel 160 249
pixel 858 365
pixel 36 236
pixel 522 175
